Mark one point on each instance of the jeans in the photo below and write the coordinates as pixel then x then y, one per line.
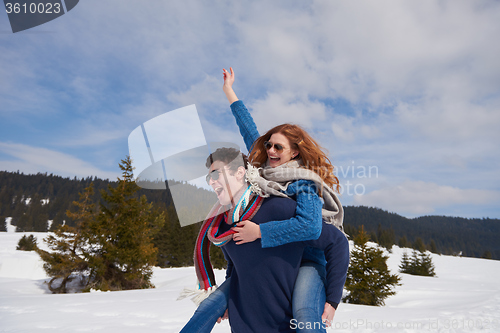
pixel 309 298
pixel 207 313
pixel 308 303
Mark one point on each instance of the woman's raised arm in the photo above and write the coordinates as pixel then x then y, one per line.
pixel 244 120
pixel 228 85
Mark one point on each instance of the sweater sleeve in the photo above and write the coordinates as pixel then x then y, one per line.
pixel 245 122
pixel 336 247
pixel 305 225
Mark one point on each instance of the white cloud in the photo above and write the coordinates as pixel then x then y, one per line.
pixel 422 78
pixel 418 197
pixel 350 129
pixel 286 107
pixel 207 92
pixel 29 159
pixel 456 120
pixel 90 135
pixel 401 47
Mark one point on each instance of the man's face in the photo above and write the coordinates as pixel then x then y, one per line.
pixel 228 183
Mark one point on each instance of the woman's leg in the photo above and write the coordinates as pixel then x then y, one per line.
pixel 207 313
pixel 309 297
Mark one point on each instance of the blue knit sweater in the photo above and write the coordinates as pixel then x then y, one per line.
pixel 306 224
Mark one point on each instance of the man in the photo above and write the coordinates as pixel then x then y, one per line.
pixel 261 280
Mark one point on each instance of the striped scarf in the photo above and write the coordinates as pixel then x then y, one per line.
pixel 247 206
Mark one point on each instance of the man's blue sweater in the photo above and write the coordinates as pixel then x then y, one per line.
pixel 262 279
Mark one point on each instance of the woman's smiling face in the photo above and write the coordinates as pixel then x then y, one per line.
pixel 276 157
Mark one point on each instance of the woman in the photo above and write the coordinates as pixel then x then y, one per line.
pixel 278 147
pixel 282 151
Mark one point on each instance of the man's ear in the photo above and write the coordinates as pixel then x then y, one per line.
pixel 240 173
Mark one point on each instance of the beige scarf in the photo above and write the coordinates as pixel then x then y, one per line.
pixel 273 181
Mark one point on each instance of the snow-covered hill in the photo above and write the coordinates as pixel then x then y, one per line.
pixel 465 297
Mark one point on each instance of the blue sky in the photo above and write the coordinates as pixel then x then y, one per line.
pixel 407 90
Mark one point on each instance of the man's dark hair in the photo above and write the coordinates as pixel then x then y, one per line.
pixel 230 156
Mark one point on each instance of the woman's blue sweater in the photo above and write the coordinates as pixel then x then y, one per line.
pixel 307 222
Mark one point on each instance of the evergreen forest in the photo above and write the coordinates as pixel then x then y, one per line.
pixel 32 200
pixel 478 238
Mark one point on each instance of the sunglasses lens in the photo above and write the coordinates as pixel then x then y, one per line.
pixel 270 145
pixel 214 175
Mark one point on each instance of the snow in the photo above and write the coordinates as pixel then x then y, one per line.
pixel 464 297
pixel 10 227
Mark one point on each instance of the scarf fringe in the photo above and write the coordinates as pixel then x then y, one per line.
pixel 252 176
pixel 197 295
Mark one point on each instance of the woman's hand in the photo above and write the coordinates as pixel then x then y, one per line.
pixel 228 85
pixel 246 232
pixel 328 314
pixel 224 317
pixel 228 79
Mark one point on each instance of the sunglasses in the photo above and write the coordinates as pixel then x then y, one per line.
pixel 214 175
pixel 268 145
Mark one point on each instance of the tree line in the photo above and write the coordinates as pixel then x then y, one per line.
pixel 32 200
pixel 439 234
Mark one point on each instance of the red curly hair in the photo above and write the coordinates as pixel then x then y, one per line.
pixel 310 152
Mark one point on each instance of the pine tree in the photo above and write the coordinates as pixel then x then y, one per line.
pixel 3 223
pixel 111 246
pixel 70 245
pixel 23 223
pixel 406 263
pixel 5 201
pixel 426 267
pixel 349 229
pixel 486 255
pixel 433 247
pixel 403 242
pixel 19 217
pixel 419 264
pixel 386 237
pixel 38 214
pixel 57 221
pixel 419 245
pixel 27 243
pixel 123 230
pixel 368 279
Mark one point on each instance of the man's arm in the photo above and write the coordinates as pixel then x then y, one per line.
pixel 336 247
